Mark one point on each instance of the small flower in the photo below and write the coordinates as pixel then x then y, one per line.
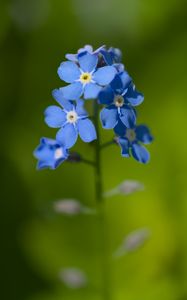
pixel 116 54
pixel 133 241
pixel 84 78
pixel 86 48
pixel 68 207
pixel 120 98
pixel 72 121
pixel 73 278
pixel 130 186
pixel 127 187
pixel 72 207
pixel 50 154
pixel 111 56
pixel 130 140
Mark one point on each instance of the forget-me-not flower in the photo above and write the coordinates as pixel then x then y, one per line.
pixel 50 154
pixel 120 97
pixel 131 140
pixel 84 77
pixel 111 56
pixel 101 76
pixel 72 119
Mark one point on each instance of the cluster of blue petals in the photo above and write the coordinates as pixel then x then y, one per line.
pixel 97 75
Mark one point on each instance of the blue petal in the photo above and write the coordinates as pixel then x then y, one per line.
pixel 128 116
pixel 116 54
pixel 119 67
pixel 120 129
pixel 80 108
pixel 69 71
pixel 140 153
pixel 106 96
pixel 143 134
pixel 43 152
pixel 125 78
pixel 54 116
pixel 59 97
pixel 91 91
pixel 121 81
pixel 67 135
pixel 87 61
pixel 116 83
pixel 109 117
pixel 45 164
pixel 71 57
pixel 104 75
pixel 124 147
pixel 107 57
pixel 72 91
pixel 133 96
pixel 88 48
pixel 47 141
pixel 86 130
pixel 98 50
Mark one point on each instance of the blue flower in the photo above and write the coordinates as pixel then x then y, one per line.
pixel 116 54
pixel 84 77
pixel 111 56
pixel 72 121
pixel 93 74
pixel 50 154
pixel 120 98
pixel 86 48
pixel 131 140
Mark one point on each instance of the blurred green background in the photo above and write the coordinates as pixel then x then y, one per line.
pixel 36 243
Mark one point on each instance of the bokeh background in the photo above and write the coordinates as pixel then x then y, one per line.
pixel 37 243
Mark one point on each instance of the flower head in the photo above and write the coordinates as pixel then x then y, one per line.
pixel 72 119
pixel 85 77
pixel 98 75
pixel 50 154
pixel 120 97
pixel 131 140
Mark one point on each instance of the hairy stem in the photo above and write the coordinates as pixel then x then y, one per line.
pixel 101 209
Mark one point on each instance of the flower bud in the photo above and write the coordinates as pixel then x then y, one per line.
pixel 73 278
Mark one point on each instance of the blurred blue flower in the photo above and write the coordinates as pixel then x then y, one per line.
pixel 85 78
pixel 131 140
pixel 120 97
pixel 50 154
pixel 86 48
pixel 72 121
pixel 111 56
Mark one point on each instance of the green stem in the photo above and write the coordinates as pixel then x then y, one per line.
pixel 101 209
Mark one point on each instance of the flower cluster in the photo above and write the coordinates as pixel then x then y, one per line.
pixel 98 76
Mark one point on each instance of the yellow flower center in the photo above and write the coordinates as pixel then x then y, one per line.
pixel 119 101
pixel 85 78
pixel 130 135
pixel 58 153
pixel 72 116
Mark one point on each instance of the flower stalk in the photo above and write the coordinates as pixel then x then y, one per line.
pixel 100 203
